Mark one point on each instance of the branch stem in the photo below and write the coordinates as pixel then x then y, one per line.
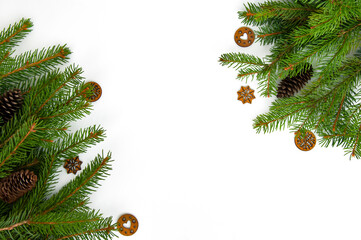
pixel 14 226
pixel 78 188
pixel 32 129
pixel 22 28
pixel 29 65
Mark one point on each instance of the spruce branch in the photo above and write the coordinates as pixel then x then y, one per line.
pixel 238 60
pixel 278 54
pixel 267 82
pixel 11 36
pixel 75 195
pixel 82 185
pixel 263 35
pixel 270 36
pixel 31 130
pixel 243 73
pixel 7 54
pixel 9 228
pixel 337 46
pixel 49 56
pixel 333 16
pixel 61 82
pixel 278 120
pixel 287 109
pixel 17 144
pixel 31 63
pixel 76 110
pixel 36 138
pixel 326 35
pixel 270 11
pixel 105 230
pixel 77 142
pixel 70 145
pixel 62 224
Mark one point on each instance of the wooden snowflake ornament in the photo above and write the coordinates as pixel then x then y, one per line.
pixel 73 165
pixel 306 143
pixel 246 95
pixel 96 93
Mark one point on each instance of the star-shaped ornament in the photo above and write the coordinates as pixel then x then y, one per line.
pixel 73 165
pixel 246 95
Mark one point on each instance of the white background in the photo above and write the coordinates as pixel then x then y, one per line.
pixel 188 163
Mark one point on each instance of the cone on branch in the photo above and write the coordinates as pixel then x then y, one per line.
pixel 10 102
pixel 291 85
pixel 16 185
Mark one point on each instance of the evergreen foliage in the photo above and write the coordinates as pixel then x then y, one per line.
pixel 36 138
pixel 325 33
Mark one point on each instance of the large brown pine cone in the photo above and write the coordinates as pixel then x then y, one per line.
pixel 16 185
pixel 10 103
pixel 291 85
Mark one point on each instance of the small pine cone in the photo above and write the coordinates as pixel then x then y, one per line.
pixel 16 185
pixel 10 103
pixel 291 85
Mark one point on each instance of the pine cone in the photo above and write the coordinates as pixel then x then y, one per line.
pixel 16 185
pixel 10 103
pixel 289 86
